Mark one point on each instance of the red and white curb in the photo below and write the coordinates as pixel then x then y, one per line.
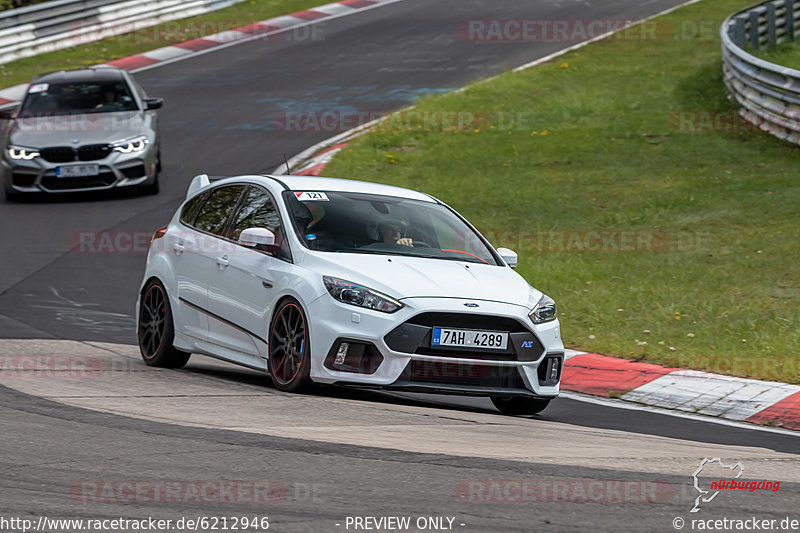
pixel 263 30
pixel 317 162
pixel 691 391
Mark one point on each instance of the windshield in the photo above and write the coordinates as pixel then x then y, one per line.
pixel 79 97
pixel 372 224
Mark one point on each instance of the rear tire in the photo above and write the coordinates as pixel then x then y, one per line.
pixel 289 348
pixel 519 405
pixel 156 330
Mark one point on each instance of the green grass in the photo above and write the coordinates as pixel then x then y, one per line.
pixel 598 144
pixel 164 34
pixel 785 54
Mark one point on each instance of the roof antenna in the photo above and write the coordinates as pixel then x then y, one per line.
pixel 288 171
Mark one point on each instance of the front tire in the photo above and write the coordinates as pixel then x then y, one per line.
pixel 289 348
pixel 520 405
pixel 150 189
pixel 156 330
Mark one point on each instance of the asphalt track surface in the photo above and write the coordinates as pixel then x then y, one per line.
pixel 219 118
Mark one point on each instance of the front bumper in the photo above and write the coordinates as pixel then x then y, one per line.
pixel 394 351
pixel 116 170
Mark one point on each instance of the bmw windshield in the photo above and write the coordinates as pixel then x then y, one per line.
pixel 371 224
pixel 78 97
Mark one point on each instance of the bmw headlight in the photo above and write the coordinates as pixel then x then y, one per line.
pixel 20 152
pixel 355 294
pixel 544 311
pixel 137 144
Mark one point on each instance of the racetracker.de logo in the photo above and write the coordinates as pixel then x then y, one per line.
pixel 50 367
pixel 564 490
pixel 178 492
pixel 560 30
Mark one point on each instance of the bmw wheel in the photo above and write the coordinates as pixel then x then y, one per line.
pixel 156 329
pixel 289 350
pixel 519 405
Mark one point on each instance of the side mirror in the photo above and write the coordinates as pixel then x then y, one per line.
pixel 258 238
pixel 509 256
pixel 153 103
pixel 9 113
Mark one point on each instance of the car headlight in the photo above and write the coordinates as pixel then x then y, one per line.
pixel 20 152
pixel 544 311
pixel 137 144
pixel 355 294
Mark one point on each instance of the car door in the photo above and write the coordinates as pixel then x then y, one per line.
pixel 199 249
pixel 244 291
pixel 190 272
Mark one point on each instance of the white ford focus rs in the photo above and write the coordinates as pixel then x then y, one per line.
pixel 320 280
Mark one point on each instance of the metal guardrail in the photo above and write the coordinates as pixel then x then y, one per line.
pixel 769 94
pixel 58 24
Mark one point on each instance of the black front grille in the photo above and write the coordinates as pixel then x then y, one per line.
pixel 68 154
pixel 468 321
pixel 58 154
pixel 467 353
pixel 455 374
pixel 93 152
pixel 414 336
pixel 104 179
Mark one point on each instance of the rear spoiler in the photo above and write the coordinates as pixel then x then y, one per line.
pixel 200 181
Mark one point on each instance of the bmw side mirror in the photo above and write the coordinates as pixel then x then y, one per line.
pixel 509 256
pixel 258 238
pixel 153 103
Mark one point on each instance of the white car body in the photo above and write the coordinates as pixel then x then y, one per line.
pixel 223 296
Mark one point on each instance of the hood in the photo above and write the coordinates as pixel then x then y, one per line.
pixel 89 128
pixel 414 277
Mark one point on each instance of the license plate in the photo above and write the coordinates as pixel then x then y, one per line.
pixel 469 338
pixel 75 171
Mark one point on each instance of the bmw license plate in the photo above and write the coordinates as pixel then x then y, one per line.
pixel 469 338
pixel 77 171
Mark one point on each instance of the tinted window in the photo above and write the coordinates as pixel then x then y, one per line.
pixel 373 224
pixel 189 212
pixel 79 97
pixel 217 209
pixel 258 211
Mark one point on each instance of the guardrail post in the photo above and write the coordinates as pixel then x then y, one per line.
pixel 771 39
pixel 739 31
pixel 754 30
pixel 790 19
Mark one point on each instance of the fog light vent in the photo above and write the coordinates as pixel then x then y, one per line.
pixel 341 355
pixel 348 355
pixel 550 369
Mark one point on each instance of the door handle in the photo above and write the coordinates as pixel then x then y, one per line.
pixel 223 261
pixel 179 248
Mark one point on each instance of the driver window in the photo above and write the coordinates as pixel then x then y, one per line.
pixel 258 211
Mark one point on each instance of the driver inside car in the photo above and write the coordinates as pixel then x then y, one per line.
pixel 393 231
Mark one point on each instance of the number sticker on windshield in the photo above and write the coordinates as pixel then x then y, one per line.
pixel 312 196
pixel 38 88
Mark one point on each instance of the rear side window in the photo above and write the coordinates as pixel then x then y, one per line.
pixel 216 210
pixel 192 207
